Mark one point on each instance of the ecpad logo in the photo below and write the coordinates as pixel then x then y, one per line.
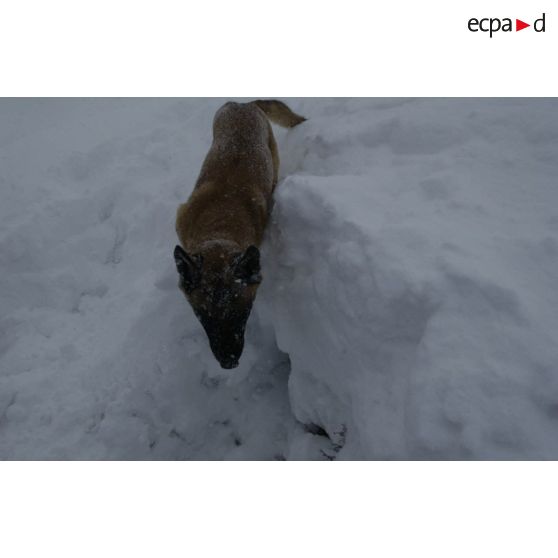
pixel 493 25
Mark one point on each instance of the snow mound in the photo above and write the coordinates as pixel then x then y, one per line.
pixel 416 297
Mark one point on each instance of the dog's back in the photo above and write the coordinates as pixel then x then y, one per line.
pixel 233 194
pixel 242 149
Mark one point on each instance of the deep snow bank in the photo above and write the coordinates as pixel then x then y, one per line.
pixel 415 289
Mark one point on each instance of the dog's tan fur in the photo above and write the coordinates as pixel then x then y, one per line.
pixel 232 196
pixel 230 205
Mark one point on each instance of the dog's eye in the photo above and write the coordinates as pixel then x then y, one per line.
pixel 184 286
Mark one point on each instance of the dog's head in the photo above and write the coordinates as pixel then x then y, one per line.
pixel 220 285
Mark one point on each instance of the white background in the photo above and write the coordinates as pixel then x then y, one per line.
pixel 251 48
pixel 288 48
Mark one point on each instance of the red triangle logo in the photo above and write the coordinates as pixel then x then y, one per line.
pixel 519 25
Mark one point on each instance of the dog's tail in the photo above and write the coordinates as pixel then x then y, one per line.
pixel 279 113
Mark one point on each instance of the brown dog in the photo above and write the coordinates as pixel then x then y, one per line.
pixel 221 225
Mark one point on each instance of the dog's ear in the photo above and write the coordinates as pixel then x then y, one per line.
pixel 247 266
pixel 188 267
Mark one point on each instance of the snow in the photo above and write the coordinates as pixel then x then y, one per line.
pixel 408 307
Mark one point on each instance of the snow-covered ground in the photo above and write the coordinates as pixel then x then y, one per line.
pixel 408 308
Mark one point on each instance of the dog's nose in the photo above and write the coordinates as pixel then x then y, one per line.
pixel 229 363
